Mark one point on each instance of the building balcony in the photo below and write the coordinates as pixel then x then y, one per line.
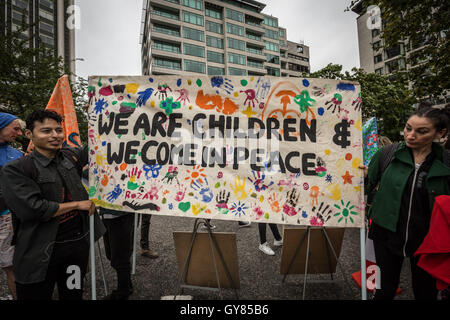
pixel 158 35
pixel 256 56
pixel 256 70
pixel 255 28
pixel 163 53
pixel 256 43
pixel 156 18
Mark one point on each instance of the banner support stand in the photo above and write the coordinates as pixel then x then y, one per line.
pixel 212 244
pixel 363 263
pixel 92 251
pixel 133 269
pixel 327 241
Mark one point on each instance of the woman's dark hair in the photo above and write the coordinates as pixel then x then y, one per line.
pixel 40 116
pixel 440 117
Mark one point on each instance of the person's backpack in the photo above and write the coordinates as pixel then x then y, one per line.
pixel 30 170
pixel 386 157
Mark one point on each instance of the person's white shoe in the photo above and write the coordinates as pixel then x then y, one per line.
pixel 278 243
pixel 266 249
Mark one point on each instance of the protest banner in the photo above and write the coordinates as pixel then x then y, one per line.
pixel 264 149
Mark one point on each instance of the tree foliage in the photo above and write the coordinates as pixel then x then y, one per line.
pixel 28 76
pixel 423 26
pixel 390 101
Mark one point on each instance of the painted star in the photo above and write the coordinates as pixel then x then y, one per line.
pixel 347 178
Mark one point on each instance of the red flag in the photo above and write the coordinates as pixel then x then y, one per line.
pixel 61 102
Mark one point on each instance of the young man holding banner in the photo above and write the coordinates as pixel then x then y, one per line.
pixel 50 213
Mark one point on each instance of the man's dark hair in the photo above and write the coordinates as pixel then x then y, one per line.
pixel 40 116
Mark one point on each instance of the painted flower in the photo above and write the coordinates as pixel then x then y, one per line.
pixel 169 105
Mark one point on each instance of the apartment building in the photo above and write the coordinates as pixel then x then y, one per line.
pixel 217 37
pixel 50 18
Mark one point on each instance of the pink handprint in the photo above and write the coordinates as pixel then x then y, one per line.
pixel 184 95
pixel 180 193
pixel 251 97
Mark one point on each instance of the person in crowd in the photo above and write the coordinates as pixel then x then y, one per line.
pixel 146 251
pixel 50 210
pixel 118 241
pixel 263 245
pixel 10 128
pixel 401 209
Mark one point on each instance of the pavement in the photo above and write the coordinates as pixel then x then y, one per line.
pixel 259 274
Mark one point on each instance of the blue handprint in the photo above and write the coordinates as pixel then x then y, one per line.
pixel 262 87
pixel 204 191
pixel 144 96
pixel 153 168
pixel 113 195
pixel 222 83
pixel 100 105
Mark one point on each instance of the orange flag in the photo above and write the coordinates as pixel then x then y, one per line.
pixel 61 101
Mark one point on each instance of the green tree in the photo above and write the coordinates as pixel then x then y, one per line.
pixel 28 76
pixel 423 27
pixel 389 100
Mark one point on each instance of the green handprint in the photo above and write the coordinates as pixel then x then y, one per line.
pixel 304 101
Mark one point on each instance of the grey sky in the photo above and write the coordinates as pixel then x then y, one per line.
pixel 108 37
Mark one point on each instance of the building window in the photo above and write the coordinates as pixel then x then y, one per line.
pixel 268 21
pixel 235 15
pixel 166 46
pixel 216 57
pixel 236 71
pixel 165 63
pixel 215 71
pixel 46 27
pixel 395 65
pixel 193 50
pixel 272 46
pixel 375 32
pixel 255 64
pixel 47 40
pixel 213 13
pixel 166 13
pixel 376 45
pixel 166 30
pixel 394 51
pixel 299 49
pixel 379 71
pixel 281 33
pixel 236 58
pixel 193 34
pixel 214 27
pixel 254 50
pixel 273 71
pixel 235 44
pixel 214 42
pixel 272 34
pixel 234 29
pixel 378 58
pixel 193 18
pixel 20 4
pixel 253 36
pixel 194 66
pixel 272 58
pixel 196 4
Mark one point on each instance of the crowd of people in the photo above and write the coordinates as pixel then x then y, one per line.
pixel 45 209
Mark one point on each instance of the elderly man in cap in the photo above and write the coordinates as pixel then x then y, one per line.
pixel 10 128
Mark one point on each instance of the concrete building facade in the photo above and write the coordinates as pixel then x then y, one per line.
pixel 49 18
pixel 217 37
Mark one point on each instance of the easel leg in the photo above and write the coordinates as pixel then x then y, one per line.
pixel 92 252
pixel 306 263
pixel 295 255
pixel 102 268
pixel 133 269
pixel 328 253
pixel 213 244
pixel 337 260
pixel 363 264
